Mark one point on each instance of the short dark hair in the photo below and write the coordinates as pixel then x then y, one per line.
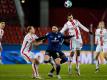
pixel 29 28
pixel 2 22
pixel 69 14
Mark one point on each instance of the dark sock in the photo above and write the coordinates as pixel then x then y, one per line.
pixel 52 70
pixel 58 67
pixel 46 61
pixel 64 60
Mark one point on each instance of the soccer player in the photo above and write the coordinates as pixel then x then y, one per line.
pixel 101 42
pixel 2 25
pixel 73 25
pixel 55 41
pixel 26 53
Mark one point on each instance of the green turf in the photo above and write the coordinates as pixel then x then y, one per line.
pixel 23 72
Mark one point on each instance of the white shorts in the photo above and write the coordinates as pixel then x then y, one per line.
pixel 0 45
pixel 30 55
pixel 75 44
pixel 101 48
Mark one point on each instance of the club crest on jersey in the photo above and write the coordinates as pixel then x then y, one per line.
pixel 59 36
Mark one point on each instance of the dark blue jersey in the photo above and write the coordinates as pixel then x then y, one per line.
pixel 55 41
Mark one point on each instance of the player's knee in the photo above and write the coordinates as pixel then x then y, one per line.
pixel 57 61
pixel 97 55
pixel 46 60
pixel 71 54
pixel 78 52
pixel 47 57
pixel 36 61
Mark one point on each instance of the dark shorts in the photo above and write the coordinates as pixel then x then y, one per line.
pixel 55 54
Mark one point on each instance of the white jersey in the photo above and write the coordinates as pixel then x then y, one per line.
pixel 101 36
pixel 1 33
pixel 27 43
pixel 73 28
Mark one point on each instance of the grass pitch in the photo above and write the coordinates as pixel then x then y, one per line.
pixel 24 72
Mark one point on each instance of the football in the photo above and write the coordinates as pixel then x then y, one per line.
pixel 67 4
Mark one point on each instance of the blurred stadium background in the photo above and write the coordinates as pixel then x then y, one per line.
pixel 42 14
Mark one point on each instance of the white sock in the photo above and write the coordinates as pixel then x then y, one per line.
pixel 69 67
pixel 37 73
pixel 77 66
pixel 70 64
pixel 0 61
pixel 97 64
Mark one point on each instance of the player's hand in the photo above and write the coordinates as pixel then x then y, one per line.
pixel 90 33
pixel 72 36
pixel 96 42
pixel 66 43
pixel 81 44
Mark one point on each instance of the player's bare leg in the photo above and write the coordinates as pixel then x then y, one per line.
pixel 50 60
pixel 77 61
pixel 70 62
pixel 35 64
pixel 58 67
pixel 97 61
pixel 105 56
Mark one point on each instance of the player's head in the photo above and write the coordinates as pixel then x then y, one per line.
pixel 31 29
pixel 2 25
pixel 70 17
pixel 101 24
pixel 54 29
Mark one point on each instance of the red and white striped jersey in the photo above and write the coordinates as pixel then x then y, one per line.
pixel 100 36
pixel 1 33
pixel 27 43
pixel 73 28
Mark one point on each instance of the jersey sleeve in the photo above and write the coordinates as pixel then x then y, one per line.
pixel 105 35
pixel 47 34
pixel 35 37
pixel 30 38
pixel 43 37
pixel 82 26
pixel 1 33
pixel 65 27
pixel 81 40
pixel 96 36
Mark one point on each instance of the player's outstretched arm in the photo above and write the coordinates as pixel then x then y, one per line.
pixel 43 38
pixel 64 29
pixel 68 37
pixel 37 43
pixel 84 28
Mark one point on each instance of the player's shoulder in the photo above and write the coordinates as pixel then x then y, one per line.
pixel 2 30
pixel 48 33
pixel 76 20
pixel 105 29
pixel 60 33
pixel 67 23
pixel 34 36
pixel 27 36
pixel 97 29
